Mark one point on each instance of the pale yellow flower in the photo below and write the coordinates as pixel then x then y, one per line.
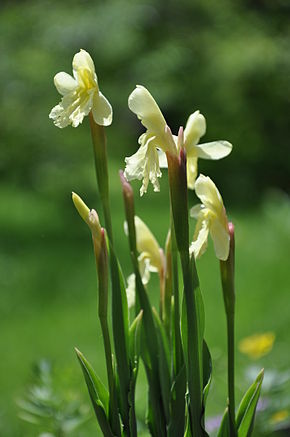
pixel 257 345
pixel 81 95
pixel 195 128
pixel 151 258
pixel 279 416
pixel 211 219
pixel 144 164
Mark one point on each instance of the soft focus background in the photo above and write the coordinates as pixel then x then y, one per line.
pixel 228 59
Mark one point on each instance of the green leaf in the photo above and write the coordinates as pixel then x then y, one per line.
pixel 134 347
pixel 247 408
pixel 164 365
pixel 207 371
pixel 120 321
pixel 224 430
pixel 150 353
pixel 98 394
pixel 177 404
pixel 134 337
pixel 207 377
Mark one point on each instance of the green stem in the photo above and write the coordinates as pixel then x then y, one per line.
pixel 119 320
pixel 231 371
pixel 227 269
pixel 193 364
pixel 101 164
pixel 111 382
pixel 178 362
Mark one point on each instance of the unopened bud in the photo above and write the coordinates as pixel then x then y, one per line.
pixel 89 216
pixel 81 207
pixel 180 138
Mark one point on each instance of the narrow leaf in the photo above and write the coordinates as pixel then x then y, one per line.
pixel 98 394
pixel 177 404
pixel 224 430
pixel 164 365
pixel 247 407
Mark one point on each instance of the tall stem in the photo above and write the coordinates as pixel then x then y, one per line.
pixel 101 164
pixel 179 204
pixel 178 355
pixel 231 371
pixel 227 269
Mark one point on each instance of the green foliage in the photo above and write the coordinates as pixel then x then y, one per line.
pixel 49 408
pixel 247 408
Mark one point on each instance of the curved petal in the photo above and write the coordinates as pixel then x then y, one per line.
pixel 162 159
pixel 144 164
pixel 199 244
pixel 191 171
pixel 147 244
pixel 144 106
pixel 102 110
pixel 209 195
pixel 144 268
pixel 65 83
pixel 71 110
pixel 131 290
pixel 83 61
pixel 221 239
pixel 195 210
pixel 195 128
pixel 213 150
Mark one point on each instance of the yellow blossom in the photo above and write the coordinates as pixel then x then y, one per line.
pixel 257 345
pixel 81 95
pixel 151 258
pixel 279 416
pixel 211 218
pixel 145 164
pixel 195 128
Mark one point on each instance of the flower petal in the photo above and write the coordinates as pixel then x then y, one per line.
pixel 147 244
pixel 131 290
pixel 195 128
pixel 144 106
pixel 83 61
pixel 208 194
pixel 213 150
pixel 102 110
pixel 191 171
pixel 199 244
pixel 72 109
pixel 162 159
pixel 144 164
pixel 195 210
pixel 65 83
pixel 221 239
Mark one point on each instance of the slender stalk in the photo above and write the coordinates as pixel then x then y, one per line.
pixel 231 372
pixel 194 371
pixel 178 355
pixel 119 322
pixel 227 269
pixel 179 205
pixel 101 164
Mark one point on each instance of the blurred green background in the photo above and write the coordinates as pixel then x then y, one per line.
pixel 228 59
